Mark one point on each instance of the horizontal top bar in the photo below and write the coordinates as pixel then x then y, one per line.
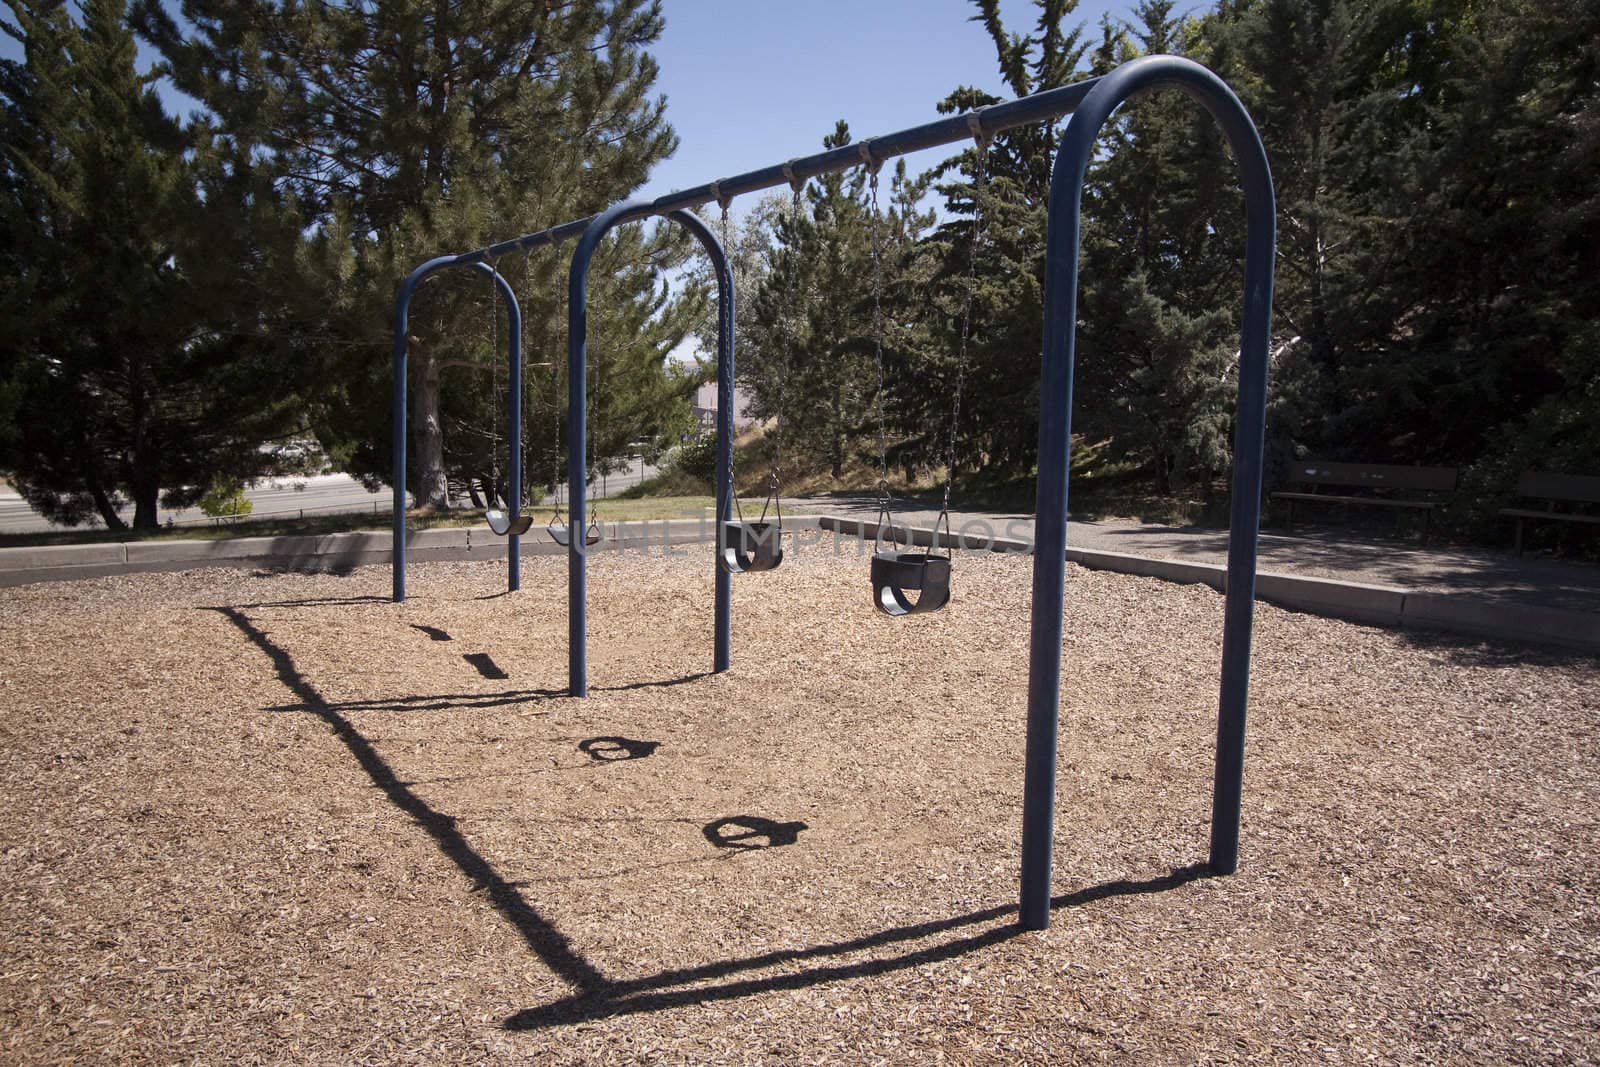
pixel 985 121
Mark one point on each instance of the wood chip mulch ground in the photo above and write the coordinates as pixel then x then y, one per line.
pixel 274 818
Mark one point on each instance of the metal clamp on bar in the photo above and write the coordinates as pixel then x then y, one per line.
pixel 864 150
pixel 796 182
pixel 979 134
pixel 716 194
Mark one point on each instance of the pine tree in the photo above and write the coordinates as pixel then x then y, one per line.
pixel 1160 275
pixel 1436 169
pixel 999 425
pixel 412 127
pixel 812 320
pixel 1322 80
pixel 137 363
pixel 1495 292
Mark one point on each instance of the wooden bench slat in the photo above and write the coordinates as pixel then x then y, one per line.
pixel 1374 475
pixel 1559 516
pixel 1375 501
pixel 1559 486
pixel 1554 488
pixel 1390 483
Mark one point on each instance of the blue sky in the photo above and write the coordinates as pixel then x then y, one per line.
pixel 754 83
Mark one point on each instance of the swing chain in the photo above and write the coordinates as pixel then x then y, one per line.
pixel 558 516
pixel 725 228
pixel 877 342
pixel 775 477
pixel 493 492
pixel 979 190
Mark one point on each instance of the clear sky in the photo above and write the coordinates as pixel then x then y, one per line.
pixel 757 82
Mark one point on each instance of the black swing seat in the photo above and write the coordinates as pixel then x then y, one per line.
pixel 559 533
pixel 504 524
pixel 751 546
pixel 894 573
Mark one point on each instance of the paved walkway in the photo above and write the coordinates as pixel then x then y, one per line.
pixel 1333 551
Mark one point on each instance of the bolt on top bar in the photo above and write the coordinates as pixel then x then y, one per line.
pixel 983 123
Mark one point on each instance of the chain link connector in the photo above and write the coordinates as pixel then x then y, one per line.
pixel 868 160
pixel 975 126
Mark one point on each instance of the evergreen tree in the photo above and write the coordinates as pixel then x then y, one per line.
pixel 1436 168
pixel 1495 291
pixel 1324 82
pixel 812 318
pixel 409 127
pixel 999 425
pixel 137 363
pixel 1160 274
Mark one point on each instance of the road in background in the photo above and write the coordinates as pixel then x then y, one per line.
pixel 323 494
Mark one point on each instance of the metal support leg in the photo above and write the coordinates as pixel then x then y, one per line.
pixel 577 362
pixel 1060 317
pixel 722 624
pixel 397 411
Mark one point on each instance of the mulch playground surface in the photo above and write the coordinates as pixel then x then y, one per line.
pixel 274 818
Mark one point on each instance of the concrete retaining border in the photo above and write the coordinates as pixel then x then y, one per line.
pixel 330 552
pixel 1374 605
pixel 1378 605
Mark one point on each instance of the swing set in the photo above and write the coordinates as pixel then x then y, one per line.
pixel 896 570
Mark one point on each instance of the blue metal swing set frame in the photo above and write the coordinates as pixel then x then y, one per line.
pixel 1090 103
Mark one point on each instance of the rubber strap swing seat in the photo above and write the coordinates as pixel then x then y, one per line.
pixel 751 547
pixel 561 533
pixel 504 524
pixel 898 571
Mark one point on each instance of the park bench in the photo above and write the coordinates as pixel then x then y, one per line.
pixel 1381 484
pixel 1554 489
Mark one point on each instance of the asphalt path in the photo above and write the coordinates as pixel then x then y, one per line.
pixel 323 494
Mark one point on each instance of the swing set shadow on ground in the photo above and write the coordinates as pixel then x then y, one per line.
pixel 599 997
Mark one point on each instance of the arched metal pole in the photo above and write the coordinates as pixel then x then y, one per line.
pixel 513 422
pixel 722 642
pixel 577 429
pixel 397 413
pixel 1055 435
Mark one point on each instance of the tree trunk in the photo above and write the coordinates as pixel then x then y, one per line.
pixel 433 488
pixel 102 504
pixel 146 493
pixel 836 434
pixel 145 476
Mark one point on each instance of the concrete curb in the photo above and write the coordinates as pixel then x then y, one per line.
pixel 1499 619
pixel 1170 570
pixel 1378 605
pixel 332 552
